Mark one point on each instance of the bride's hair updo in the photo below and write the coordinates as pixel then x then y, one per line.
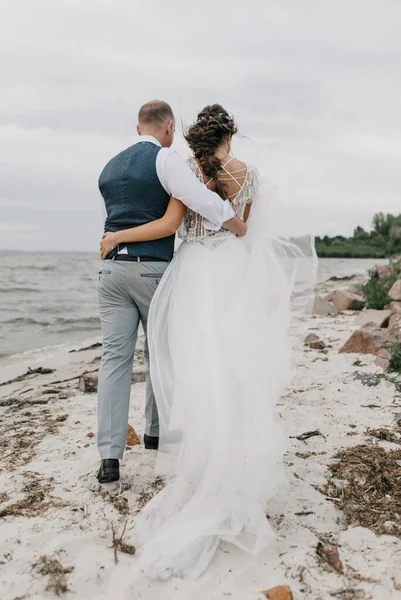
pixel 213 124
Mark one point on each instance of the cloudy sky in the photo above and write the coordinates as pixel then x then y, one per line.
pixel 315 86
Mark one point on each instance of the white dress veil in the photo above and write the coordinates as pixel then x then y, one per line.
pixel 220 358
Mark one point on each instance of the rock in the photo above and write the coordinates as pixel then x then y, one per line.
pixel 311 337
pixel 355 291
pixel 378 317
pixel 90 434
pixel 394 324
pixel 87 383
pixel 343 300
pixel 313 341
pixel 383 359
pixel 382 271
pixel 323 307
pixel 394 307
pixel 132 437
pixel 367 340
pixel 331 556
pixel 395 291
pixel 317 345
pixel 282 592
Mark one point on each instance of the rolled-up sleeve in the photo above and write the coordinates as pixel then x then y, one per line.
pixel 179 181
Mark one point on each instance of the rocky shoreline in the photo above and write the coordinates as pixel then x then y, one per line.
pixel 338 523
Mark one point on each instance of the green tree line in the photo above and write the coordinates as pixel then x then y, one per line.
pixel 382 241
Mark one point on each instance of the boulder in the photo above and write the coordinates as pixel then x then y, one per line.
pixel 394 325
pixel 132 437
pixel 394 307
pixel 323 307
pixel 87 383
pixel 355 291
pixel 382 271
pixel 395 291
pixel 379 317
pixel 343 300
pixel 370 339
pixel 383 359
pixel 311 337
pixel 281 592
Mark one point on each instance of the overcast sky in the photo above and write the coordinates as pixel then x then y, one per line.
pixel 314 84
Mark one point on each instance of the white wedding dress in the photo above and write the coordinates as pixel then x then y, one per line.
pixel 220 358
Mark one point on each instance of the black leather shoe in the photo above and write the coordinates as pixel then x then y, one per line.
pixel 151 442
pixel 109 470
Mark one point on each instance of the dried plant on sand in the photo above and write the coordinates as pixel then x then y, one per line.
pixel 366 486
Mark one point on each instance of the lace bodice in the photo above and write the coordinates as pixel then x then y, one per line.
pixel 192 227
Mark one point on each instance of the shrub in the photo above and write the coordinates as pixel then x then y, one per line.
pixel 376 290
pixel 395 361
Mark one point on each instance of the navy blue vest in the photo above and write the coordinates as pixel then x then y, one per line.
pixel 133 195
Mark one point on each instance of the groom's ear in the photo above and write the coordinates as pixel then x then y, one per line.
pixel 138 130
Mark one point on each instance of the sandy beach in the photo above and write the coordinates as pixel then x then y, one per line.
pixel 57 522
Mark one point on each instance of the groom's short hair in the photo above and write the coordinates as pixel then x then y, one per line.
pixel 155 112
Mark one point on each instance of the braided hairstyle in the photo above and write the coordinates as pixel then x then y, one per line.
pixel 211 127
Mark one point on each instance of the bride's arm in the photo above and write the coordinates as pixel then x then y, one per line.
pixel 155 230
pixel 247 212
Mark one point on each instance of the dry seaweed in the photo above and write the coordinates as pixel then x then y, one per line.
pixel 18 441
pixel 28 374
pixel 306 455
pixel 56 573
pixel 146 495
pixel 366 486
pixel 384 435
pixel 92 347
pixel 349 594
pixel 37 499
pixel 308 434
pixel 3 497
pixel 118 544
pixel 117 499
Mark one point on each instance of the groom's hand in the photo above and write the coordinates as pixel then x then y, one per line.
pixel 236 226
pixel 108 242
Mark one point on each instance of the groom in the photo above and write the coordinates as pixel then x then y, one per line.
pixel 136 186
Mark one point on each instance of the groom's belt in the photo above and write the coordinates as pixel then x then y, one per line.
pixel 128 257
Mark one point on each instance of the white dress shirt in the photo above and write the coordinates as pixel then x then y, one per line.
pixel 179 181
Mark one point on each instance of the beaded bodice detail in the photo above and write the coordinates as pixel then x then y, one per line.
pixel 192 227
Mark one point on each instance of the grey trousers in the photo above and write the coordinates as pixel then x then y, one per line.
pixel 125 291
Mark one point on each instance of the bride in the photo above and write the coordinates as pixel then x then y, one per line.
pixel 220 357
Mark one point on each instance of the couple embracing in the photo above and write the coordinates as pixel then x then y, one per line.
pixel 215 317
